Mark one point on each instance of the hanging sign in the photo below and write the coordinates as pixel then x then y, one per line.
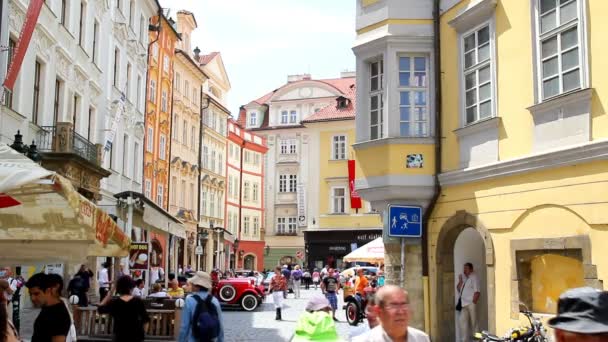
pixel 355 199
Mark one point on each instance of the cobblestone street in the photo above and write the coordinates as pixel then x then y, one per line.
pixel 260 325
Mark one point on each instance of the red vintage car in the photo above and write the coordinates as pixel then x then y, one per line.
pixel 239 292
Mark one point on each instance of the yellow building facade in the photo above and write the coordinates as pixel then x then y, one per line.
pixel 522 165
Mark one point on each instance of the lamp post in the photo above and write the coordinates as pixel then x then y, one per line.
pixel 218 230
pixel 235 245
pixel 202 240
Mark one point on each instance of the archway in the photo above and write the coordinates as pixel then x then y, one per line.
pixel 469 248
pixel 249 262
pixel 446 276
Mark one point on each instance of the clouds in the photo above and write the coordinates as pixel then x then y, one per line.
pixel 262 41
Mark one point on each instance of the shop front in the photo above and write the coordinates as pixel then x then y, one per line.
pixel 328 247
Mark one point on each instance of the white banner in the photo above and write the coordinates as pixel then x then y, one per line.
pixel 302 221
pixel 120 109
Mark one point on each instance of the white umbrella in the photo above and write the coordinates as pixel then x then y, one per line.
pixel 372 252
pixel 17 170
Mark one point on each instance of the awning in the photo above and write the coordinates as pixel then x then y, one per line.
pixel 51 209
pixel 372 252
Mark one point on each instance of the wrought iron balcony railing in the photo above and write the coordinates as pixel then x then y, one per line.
pixel 63 139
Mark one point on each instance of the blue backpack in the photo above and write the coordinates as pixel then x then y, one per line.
pixel 206 327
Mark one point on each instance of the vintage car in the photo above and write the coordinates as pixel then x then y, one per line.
pixel 239 292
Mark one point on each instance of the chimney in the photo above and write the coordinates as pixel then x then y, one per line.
pixel 347 74
pixel 300 77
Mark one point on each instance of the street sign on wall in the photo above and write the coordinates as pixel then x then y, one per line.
pixel 404 221
pixel 198 250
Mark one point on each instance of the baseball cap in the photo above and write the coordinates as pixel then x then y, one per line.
pixel 582 310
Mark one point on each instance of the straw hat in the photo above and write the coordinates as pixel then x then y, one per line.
pixel 202 279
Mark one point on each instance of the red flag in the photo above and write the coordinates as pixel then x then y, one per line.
pixel 355 199
pixel 7 201
pixel 29 24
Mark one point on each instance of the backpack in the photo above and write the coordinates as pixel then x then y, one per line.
pixel 206 327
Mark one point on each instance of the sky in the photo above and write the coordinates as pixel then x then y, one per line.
pixel 263 41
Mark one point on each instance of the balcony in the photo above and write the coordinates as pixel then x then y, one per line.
pixel 288 159
pixel 73 156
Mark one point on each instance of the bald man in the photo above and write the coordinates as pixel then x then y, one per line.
pixel 394 313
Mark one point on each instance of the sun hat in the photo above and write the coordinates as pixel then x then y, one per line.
pixel 202 279
pixel 317 302
pixel 582 310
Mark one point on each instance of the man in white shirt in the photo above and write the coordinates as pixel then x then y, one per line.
pixel 138 290
pixel 394 313
pixel 468 292
pixel 103 281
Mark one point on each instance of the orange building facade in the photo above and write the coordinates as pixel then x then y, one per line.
pixel 158 111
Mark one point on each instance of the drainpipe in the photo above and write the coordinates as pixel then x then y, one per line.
pixel 200 168
pixel 438 142
pixel 157 29
pixel 238 233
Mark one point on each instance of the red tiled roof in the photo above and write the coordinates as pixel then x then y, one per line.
pixel 346 86
pixel 205 59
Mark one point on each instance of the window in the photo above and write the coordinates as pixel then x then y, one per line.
pixel 246 189
pixel 182 201
pixel 11 51
pixel 166 63
pixel 288 146
pixel 91 124
pixel 163 104
pixel 477 75
pixel 173 190
pixel 253 119
pixel 282 183
pixel 256 226
pixel 162 145
pixel 376 100
pixel 204 203
pixel 256 159
pixel 338 200
pixel 291 228
pixel 339 147
pixel 178 81
pixel 119 4
pixel 192 197
pixel 159 195
pixel 192 137
pixel 128 86
pixel 63 13
pixel 559 40
pixel 132 14
pixel 212 205
pixel 150 140
pixel 212 168
pixel 138 92
pixel 125 156
pixel 116 61
pixel 281 225
pixel 95 40
pixel 246 158
pixel 220 163
pixel 293 116
pixel 142 29
pixel 413 93
pixel 205 157
pixel 255 192
pixel 186 89
pixel 136 162
pixel 246 225
pixel 81 24
pixel 292 146
pixel 155 51
pixel 293 182
pixel 284 117
pixel 175 127
pixel 148 188
pixel 185 132
pixel 75 110
pixel 36 99
pixel 57 101
pixel 230 186
pixel 153 90
pixel 193 98
pixel 110 155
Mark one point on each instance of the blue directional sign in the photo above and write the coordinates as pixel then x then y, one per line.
pixel 404 221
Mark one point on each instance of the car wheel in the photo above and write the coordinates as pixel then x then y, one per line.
pixel 352 313
pixel 249 302
pixel 227 293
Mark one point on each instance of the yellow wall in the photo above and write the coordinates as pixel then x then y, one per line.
pixel 546 287
pixel 391 160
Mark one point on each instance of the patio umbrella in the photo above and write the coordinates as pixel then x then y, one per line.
pixel 372 252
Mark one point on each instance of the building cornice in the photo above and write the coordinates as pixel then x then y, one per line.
pixel 569 156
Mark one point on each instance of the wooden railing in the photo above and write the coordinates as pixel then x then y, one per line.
pixel 90 325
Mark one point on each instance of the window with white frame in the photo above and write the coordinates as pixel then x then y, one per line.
pixel 125 156
pixel 162 145
pixel 256 159
pixel 220 204
pixel 256 226
pixel 291 225
pixel 175 128
pixel 477 74
pixel 212 204
pixel 255 192
pixel 186 89
pixel 152 90
pixel 284 116
pixel 281 225
pixel 376 101
pixel 230 186
pixel 192 137
pixel 246 188
pixel 559 45
pixel 182 202
pixel 204 203
pixel 150 140
pixel 284 146
pixel 205 157
pixel 293 182
pixel 282 183
pixel 338 200
pixel 159 195
pixel 185 132
pixel 338 147
pixel 155 51
pixel 136 162
pixel 173 190
pixel 220 163
pixel 148 188
pixel 293 116
pixel 246 225
pixel 166 64
pixel 253 119
pixel 212 167
pixel 413 96
pixel 178 81
pixel 292 146
pixel 163 104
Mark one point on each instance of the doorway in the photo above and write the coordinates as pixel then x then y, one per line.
pixel 249 262
pixel 469 247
